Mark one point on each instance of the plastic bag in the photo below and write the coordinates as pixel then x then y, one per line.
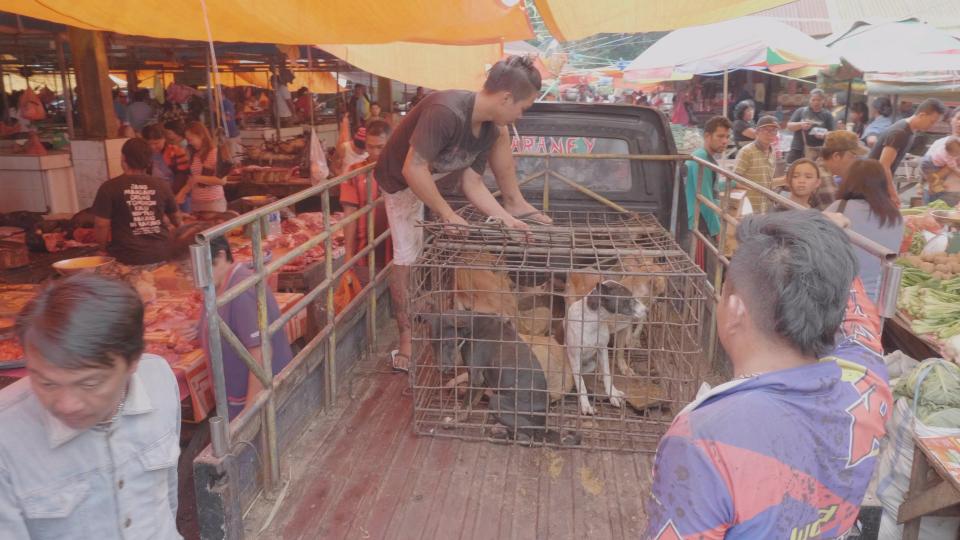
pixel 30 106
pixel 348 289
pixel 319 171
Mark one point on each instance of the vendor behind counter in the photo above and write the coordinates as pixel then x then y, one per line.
pixel 134 212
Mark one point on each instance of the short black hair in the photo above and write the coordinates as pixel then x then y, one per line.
pixel 176 126
pixel 377 128
pixel 218 245
pixel 83 321
pixel 932 106
pixel 152 132
pixel 794 270
pixel 137 153
pixel 860 107
pixel 883 106
pixel 715 123
pixel 515 74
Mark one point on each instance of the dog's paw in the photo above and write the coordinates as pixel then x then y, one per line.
pixel 586 408
pixel 616 398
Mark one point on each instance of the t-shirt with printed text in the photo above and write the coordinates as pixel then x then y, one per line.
pixel 135 206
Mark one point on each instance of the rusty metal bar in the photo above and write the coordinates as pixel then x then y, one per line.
pixel 271 461
pixel 330 371
pixel 588 192
pixel 238 347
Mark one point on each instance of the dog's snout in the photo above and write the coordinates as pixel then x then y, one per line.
pixel 639 310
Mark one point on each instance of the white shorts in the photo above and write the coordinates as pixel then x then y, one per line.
pixel 404 209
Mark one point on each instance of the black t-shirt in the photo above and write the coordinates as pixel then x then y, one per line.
pixel 439 129
pixel 738 128
pixel 822 119
pixel 899 136
pixel 135 206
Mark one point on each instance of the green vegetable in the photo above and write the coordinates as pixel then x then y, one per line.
pixel 934 312
pixel 939 205
pixel 939 391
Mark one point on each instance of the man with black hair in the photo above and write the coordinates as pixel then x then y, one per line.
pixel 716 135
pixel 353 195
pixel 240 315
pixel 454 132
pixel 896 141
pixel 787 447
pixel 169 161
pixel 134 212
pixel 92 435
pixel 810 126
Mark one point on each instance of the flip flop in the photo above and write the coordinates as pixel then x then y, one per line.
pixel 529 215
pixel 393 361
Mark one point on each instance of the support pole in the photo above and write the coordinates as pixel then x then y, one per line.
pixel 93 81
pixel 67 91
pixel 726 90
pixel 385 94
pixel 5 112
pixel 310 78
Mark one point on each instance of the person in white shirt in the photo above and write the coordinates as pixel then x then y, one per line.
pixel 284 101
pixel 92 434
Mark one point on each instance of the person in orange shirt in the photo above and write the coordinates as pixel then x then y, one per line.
pixel 353 195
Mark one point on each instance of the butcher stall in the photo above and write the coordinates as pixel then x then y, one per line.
pixel 173 305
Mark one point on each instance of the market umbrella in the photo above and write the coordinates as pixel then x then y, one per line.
pixel 901 57
pixel 747 42
pixel 906 46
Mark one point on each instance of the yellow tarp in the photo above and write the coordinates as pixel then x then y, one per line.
pixel 293 21
pixel 576 19
pixel 440 67
pixel 316 81
pixel 13 82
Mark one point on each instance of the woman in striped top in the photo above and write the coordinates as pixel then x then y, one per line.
pixel 204 188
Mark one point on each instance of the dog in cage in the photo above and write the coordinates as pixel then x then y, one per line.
pixel 589 324
pixel 645 280
pixel 499 359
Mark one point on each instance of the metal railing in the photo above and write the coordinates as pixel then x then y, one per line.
pixel 263 411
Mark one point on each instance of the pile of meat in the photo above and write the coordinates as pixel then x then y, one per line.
pixel 297 231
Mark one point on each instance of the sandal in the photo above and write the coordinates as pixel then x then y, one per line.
pixel 393 361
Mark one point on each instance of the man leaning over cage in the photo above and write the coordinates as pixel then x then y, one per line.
pixel 787 447
pixel 447 133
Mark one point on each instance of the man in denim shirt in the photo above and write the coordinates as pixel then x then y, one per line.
pixel 91 437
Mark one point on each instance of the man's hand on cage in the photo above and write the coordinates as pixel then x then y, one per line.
pixel 457 225
pixel 517 224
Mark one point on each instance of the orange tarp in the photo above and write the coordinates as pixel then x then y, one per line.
pixel 569 20
pixel 441 67
pixel 293 21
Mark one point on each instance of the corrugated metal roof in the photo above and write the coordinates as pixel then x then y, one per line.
pixel 809 16
pixel 822 17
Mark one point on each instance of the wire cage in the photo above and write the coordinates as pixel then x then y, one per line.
pixel 502 321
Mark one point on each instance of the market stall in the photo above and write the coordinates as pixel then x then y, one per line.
pixel 928 322
pixel 173 306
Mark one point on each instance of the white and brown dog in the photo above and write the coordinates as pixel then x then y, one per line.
pixel 590 322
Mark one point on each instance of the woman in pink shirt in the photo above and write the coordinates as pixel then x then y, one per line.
pixel 204 188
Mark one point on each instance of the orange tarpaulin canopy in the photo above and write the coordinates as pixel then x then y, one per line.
pixel 293 21
pixel 570 20
pixel 441 67
pixel 316 81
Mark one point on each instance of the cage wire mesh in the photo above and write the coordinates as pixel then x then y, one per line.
pixel 501 317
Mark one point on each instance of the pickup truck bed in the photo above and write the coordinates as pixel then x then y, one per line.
pixel 360 472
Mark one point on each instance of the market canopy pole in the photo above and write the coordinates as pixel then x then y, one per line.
pixel 726 90
pixel 67 91
pixel 93 83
